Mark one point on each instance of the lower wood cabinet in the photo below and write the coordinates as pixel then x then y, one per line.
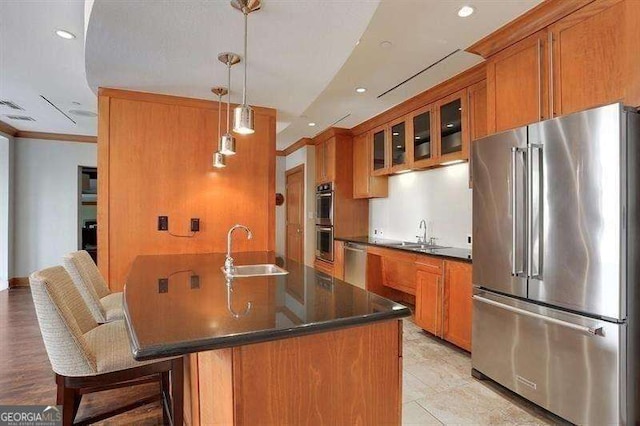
pixel 429 294
pixel 457 306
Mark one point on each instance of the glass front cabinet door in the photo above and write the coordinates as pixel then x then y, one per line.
pixel 400 154
pixel 379 151
pixel 452 131
pixel 421 140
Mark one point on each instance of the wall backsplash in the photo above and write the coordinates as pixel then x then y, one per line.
pixel 440 196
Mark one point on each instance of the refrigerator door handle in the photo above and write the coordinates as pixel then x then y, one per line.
pixel 534 211
pixel 595 331
pixel 515 213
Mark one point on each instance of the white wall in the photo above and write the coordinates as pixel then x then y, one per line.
pixel 6 171
pixel 281 211
pixel 46 201
pixel 440 196
pixel 307 156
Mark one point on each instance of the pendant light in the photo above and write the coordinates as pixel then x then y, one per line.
pixel 228 142
pixel 218 158
pixel 243 114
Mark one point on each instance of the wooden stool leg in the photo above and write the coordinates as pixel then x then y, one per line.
pixel 67 398
pixel 165 398
pixel 177 391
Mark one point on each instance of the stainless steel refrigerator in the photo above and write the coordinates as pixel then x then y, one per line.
pixel 556 262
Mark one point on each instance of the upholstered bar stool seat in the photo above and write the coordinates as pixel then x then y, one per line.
pixel 104 305
pixel 89 357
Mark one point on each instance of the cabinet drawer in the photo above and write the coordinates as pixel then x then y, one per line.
pixel 429 264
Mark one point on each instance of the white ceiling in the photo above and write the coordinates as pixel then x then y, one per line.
pixel 303 57
pixel 34 61
pixel 421 33
pixel 295 48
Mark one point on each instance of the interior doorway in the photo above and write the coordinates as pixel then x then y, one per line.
pixel 88 210
pixel 294 244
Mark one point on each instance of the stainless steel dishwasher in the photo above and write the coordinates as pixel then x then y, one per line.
pixel 355 264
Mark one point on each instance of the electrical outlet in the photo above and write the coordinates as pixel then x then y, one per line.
pixel 195 224
pixel 163 285
pixel 163 223
pixel 195 281
pixel 378 232
pixel 468 239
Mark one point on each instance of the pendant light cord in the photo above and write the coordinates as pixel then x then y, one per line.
pixel 244 87
pixel 219 121
pixel 228 93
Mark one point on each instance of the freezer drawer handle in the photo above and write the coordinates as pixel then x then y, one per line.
pixel 597 331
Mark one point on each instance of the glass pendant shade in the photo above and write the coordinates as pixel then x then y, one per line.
pixel 243 120
pixel 228 144
pixel 218 160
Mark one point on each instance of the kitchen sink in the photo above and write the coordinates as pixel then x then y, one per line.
pixel 243 271
pixel 416 246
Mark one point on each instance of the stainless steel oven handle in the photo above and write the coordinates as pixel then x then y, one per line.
pixel 324 229
pixel 596 331
pixel 325 195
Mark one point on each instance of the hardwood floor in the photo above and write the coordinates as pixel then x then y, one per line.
pixel 26 376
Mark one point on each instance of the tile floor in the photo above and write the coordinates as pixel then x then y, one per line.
pixel 438 388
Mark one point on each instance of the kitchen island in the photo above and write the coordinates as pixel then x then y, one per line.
pixel 301 348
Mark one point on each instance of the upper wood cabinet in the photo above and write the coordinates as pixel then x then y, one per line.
pixel 594 56
pixel 421 122
pixel 458 293
pixel 585 59
pixel 326 160
pixel 364 184
pixel 380 151
pixel 399 142
pixel 452 127
pixel 517 84
pixel 477 96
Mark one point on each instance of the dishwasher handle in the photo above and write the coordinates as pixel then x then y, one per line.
pixel 354 247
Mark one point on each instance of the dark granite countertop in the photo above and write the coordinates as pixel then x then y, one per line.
pixel 448 252
pixel 178 304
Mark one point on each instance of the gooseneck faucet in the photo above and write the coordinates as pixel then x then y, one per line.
pixel 423 239
pixel 228 261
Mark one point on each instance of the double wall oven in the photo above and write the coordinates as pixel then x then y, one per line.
pixel 324 222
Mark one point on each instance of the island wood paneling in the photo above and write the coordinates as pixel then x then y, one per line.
pixel 155 158
pixel 326 378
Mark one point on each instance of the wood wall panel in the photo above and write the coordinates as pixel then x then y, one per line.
pixel 327 378
pixel 155 159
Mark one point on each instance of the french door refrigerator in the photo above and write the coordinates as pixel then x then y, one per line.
pixel 556 262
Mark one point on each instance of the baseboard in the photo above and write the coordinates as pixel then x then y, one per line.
pixel 19 282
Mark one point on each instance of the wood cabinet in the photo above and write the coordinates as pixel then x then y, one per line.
pixel 326 160
pixel 594 56
pixel 398 271
pixel 423 151
pixel 458 292
pixel 477 96
pixel 323 266
pixel 583 59
pixel 429 295
pixel 517 84
pixel 338 259
pixel 364 184
pixel 452 127
pixel 399 144
pixel 380 151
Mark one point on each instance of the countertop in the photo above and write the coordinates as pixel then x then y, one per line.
pixel 178 304
pixel 447 252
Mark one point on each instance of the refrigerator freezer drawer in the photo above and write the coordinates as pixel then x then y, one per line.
pixel 569 364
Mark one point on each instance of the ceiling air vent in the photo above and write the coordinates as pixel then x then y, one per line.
pixel 20 117
pixel 11 105
pixel 418 73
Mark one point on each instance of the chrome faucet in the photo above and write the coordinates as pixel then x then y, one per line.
pixel 228 260
pixel 423 238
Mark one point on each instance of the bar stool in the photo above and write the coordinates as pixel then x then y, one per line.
pixel 89 357
pixel 104 305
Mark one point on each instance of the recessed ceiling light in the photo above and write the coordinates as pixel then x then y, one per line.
pixel 417 137
pixel 65 34
pixel 360 89
pixel 395 133
pixel 385 44
pixel 450 125
pixel 465 11
pixel 311 124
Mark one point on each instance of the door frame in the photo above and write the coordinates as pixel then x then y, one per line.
pixel 287 173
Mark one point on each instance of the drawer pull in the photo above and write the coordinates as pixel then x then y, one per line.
pixel 596 331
